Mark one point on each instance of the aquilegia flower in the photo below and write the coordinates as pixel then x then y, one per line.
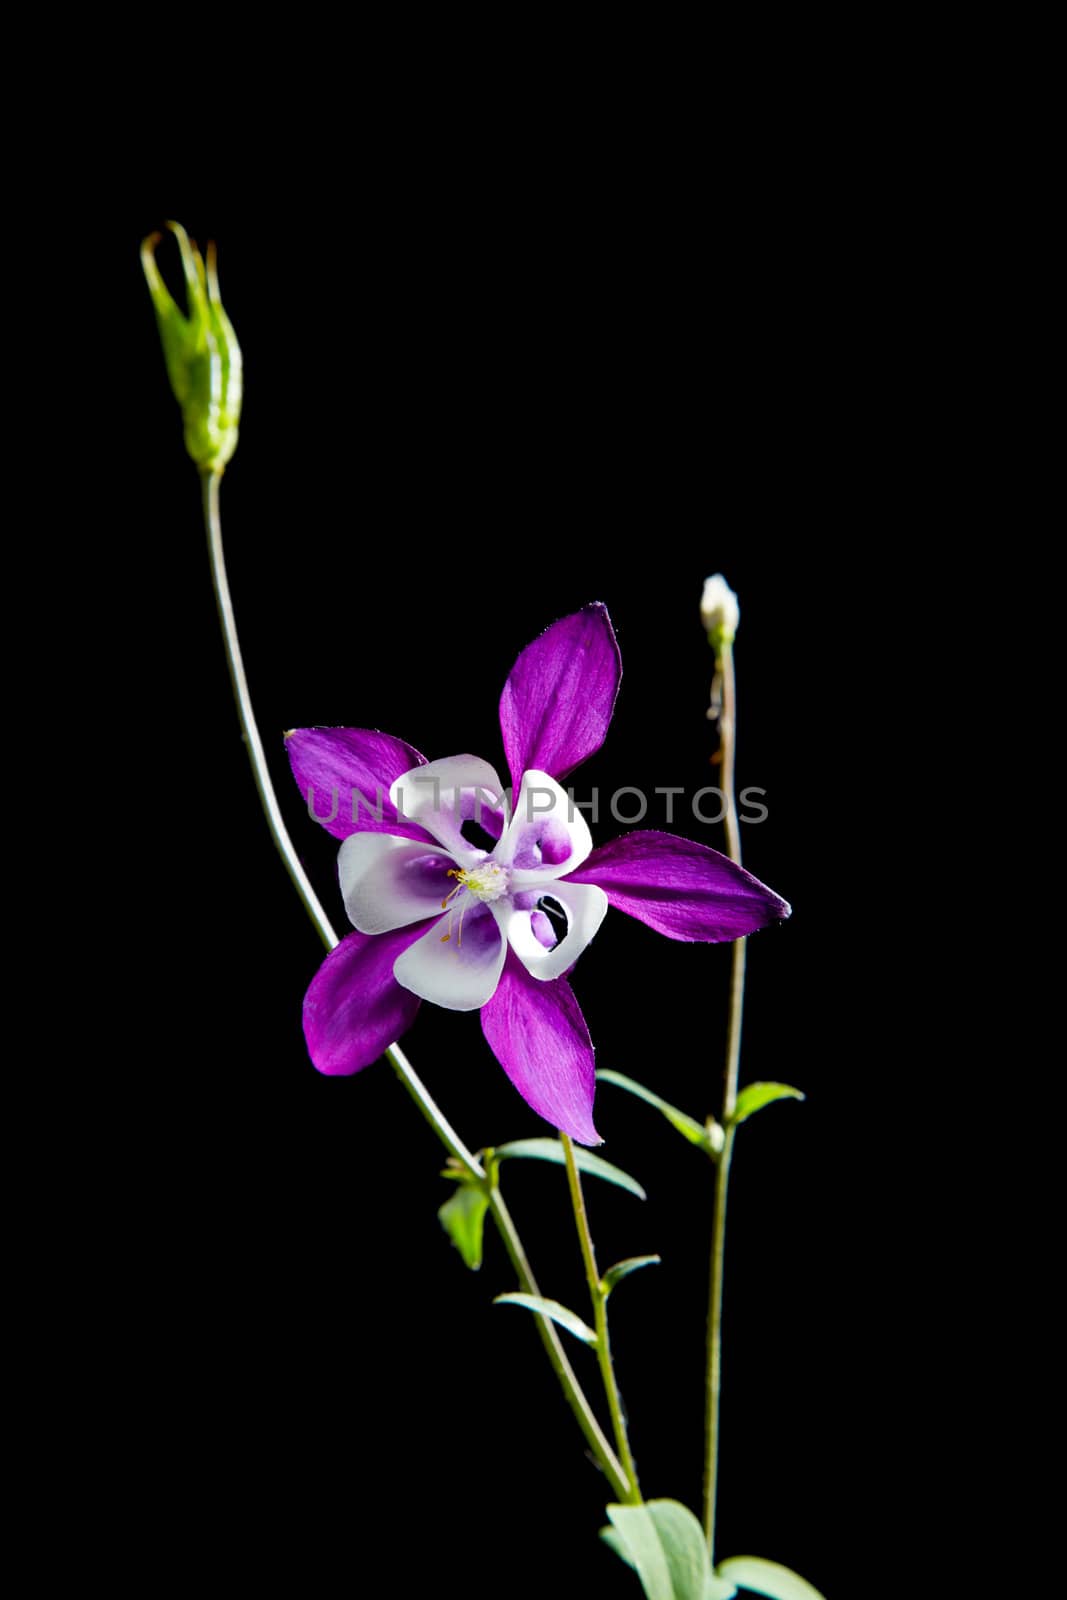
pixel 440 917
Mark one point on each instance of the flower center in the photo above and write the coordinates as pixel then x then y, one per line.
pixel 486 882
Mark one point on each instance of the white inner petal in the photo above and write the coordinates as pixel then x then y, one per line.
pixel 586 907
pixel 547 835
pixel 389 883
pixel 444 794
pixel 457 964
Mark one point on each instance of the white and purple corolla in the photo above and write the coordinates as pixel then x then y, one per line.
pixel 483 900
pixel 495 926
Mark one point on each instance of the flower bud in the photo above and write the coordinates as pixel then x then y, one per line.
pixel 201 352
pixel 719 611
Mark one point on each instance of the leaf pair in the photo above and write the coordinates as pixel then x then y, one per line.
pixel 708 1136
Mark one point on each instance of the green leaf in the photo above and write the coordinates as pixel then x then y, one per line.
pixel 768 1578
pixel 463 1219
pixel 664 1543
pixel 637 1542
pixel 614 1541
pixel 552 1150
pixel 550 1308
pixel 623 1269
pixel 719 1588
pixel 685 1547
pixel 687 1126
pixel 754 1096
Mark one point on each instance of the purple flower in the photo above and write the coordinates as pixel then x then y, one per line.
pixel 494 926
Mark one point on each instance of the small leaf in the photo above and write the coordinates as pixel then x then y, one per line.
pixel 687 1126
pixel 768 1578
pixel 463 1219
pixel 664 1543
pixel 552 1150
pixel 754 1096
pixel 550 1308
pixel 623 1269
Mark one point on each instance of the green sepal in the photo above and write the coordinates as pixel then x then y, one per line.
pixel 623 1269
pixel 551 1308
pixel 754 1096
pixel 707 1136
pixel 767 1578
pixel 552 1150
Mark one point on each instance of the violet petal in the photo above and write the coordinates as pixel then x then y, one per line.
pixel 558 700
pixel 347 773
pixel 682 889
pixel 354 1008
pixel 538 1034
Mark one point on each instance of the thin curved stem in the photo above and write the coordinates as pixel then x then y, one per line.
pixel 253 742
pixel 713 1388
pixel 598 1295
pixel 414 1085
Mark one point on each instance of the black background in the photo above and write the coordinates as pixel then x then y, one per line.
pixel 464 417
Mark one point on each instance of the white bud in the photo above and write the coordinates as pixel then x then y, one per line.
pixel 719 610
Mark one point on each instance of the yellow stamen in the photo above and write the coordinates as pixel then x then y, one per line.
pixel 484 883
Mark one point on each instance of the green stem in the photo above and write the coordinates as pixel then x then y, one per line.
pixel 618 1475
pixel 414 1085
pixel 713 1392
pixel 631 1492
pixel 249 730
